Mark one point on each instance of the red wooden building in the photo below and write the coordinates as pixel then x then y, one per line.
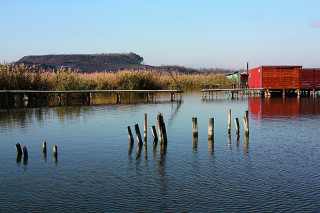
pixel 310 79
pixel 284 78
pixel 274 77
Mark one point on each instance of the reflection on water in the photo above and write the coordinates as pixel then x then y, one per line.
pixel 275 169
pixel 277 106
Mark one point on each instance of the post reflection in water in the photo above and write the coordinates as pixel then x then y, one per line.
pixel 195 142
pixel 229 141
pixel 139 148
pixel 162 153
pixel 246 144
pixel 44 156
pixel 236 140
pixel 18 158
pixel 145 149
pixel 211 145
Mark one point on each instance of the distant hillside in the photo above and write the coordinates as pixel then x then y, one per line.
pixel 89 63
pixel 86 63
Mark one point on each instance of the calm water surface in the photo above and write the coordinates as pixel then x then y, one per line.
pixel 276 169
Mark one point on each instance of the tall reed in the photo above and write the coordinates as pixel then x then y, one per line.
pixel 14 77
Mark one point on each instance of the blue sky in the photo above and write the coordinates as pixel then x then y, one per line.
pixel 192 33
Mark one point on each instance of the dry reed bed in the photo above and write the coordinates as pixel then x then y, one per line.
pixel 28 78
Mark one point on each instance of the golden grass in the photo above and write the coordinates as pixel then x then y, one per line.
pixel 23 77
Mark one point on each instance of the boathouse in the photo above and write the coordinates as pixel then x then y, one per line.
pixel 284 78
pixel 275 77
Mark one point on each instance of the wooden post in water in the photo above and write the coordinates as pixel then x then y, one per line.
pixel 236 121
pixel 229 121
pixel 245 124
pixel 130 135
pixel 162 129
pixel 25 152
pixel 44 146
pixel 159 129
pixel 164 132
pixel 145 126
pixel 154 133
pixel 211 128
pixel 194 127
pixel 139 139
pixel 55 151
pixel 18 148
pixel 247 120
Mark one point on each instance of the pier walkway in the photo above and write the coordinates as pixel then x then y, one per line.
pixel 88 93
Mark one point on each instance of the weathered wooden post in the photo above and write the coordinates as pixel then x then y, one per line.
pixel 55 154
pixel 154 133
pixel 25 153
pixel 195 127
pixel 164 132
pixel 236 121
pixel 131 140
pixel 247 118
pixel 18 148
pixel 44 146
pixel 229 121
pixel 130 136
pixel 55 150
pixel 162 129
pixel 159 129
pixel 211 128
pixel 145 126
pixel 245 124
pixel 139 139
pixel 44 150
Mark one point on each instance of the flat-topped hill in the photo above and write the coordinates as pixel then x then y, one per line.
pixel 90 63
pixel 85 62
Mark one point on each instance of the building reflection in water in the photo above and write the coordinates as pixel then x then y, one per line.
pixel 274 107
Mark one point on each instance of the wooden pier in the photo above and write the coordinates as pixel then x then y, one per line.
pixel 175 94
pixel 234 92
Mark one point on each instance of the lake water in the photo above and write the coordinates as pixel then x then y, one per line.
pixel 276 169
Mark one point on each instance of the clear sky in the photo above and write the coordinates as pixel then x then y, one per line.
pixel 192 33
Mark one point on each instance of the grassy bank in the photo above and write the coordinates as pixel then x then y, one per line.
pixel 27 78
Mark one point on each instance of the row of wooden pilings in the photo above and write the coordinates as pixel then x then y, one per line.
pixel 163 133
pixel 161 137
pixel 211 125
pixel 24 151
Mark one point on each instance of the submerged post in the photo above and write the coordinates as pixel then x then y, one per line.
pixel 159 129
pixel 247 118
pixel 18 148
pixel 211 128
pixel 25 152
pixel 229 121
pixel 194 126
pixel 145 126
pixel 154 133
pixel 245 124
pixel 136 127
pixel 130 135
pixel 55 151
pixel 44 146
pixel 162 129
pixel 236 122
